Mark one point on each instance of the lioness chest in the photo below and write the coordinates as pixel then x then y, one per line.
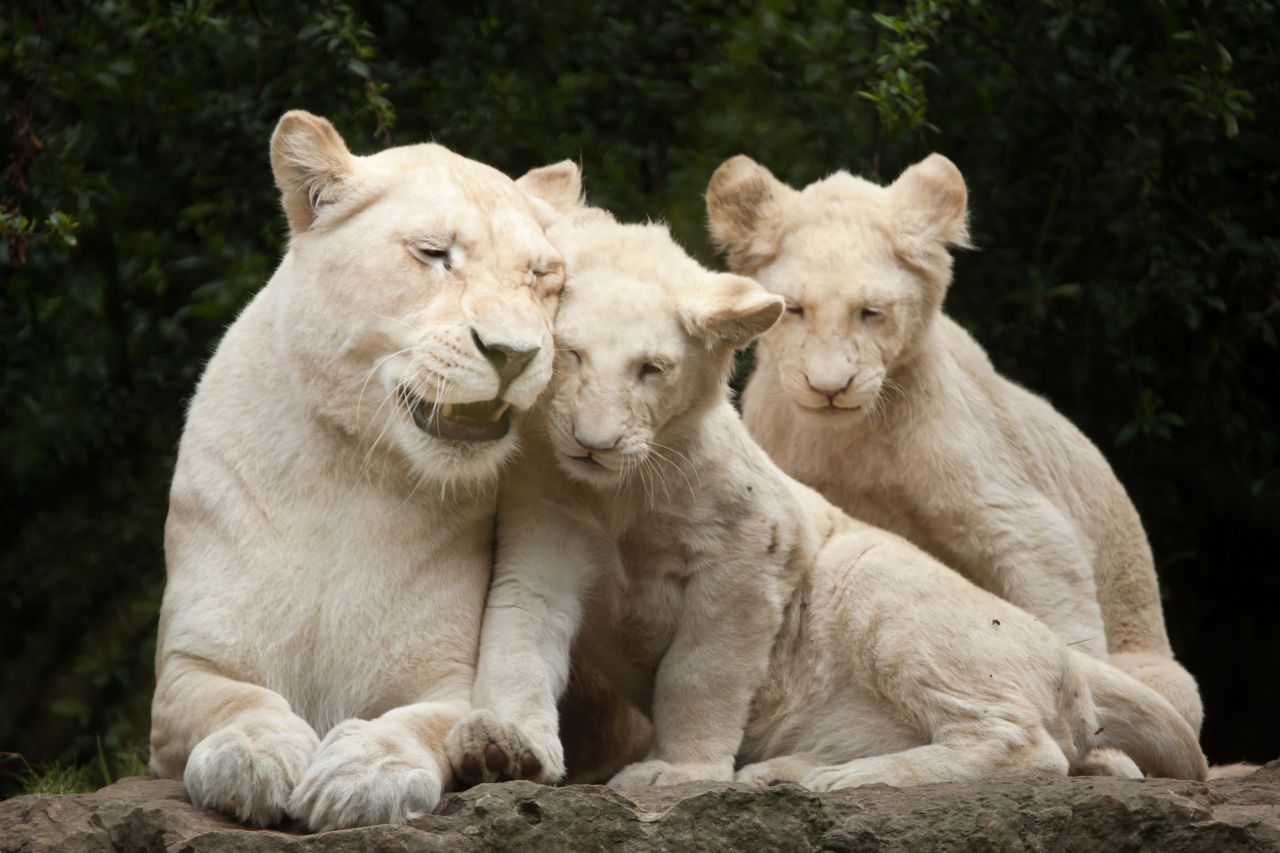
pixel 351 603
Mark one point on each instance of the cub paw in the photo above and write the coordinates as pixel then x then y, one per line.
pixel 662 773
pixel 1106 762
pixel 250 768
pixel 484 748
pixel 831 779
pixel 775 771
pixel 367 772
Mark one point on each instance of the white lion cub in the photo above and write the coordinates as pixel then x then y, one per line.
pixel 644 529
pixel 868 393
pixel 330 523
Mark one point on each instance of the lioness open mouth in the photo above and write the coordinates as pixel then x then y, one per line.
pixel 488 420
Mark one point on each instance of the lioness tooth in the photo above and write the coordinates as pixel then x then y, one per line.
pixel 499 412
pixel 448 410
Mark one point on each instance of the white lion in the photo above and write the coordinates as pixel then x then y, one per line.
pixel 868 393
pixel 645 530
pixel 330 523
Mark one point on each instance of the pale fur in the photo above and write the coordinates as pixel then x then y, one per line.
pixel 327 560
pixel 766 631
pixel 868 393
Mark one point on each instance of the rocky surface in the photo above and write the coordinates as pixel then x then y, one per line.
pixel 1085 814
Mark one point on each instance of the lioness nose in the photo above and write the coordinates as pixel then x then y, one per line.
pixel 508 360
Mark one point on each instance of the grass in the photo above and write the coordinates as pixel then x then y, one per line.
pixel 59 778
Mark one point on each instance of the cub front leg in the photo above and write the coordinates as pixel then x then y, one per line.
pixel 386 770
pixel 238 747
pixel 716 662
pixel 531 618
pixel 1035 558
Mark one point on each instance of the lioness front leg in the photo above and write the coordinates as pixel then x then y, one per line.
pixel 390 769
pixel 244 748
pixel 704 685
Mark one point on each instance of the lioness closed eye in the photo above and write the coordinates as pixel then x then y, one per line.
pixel 868 393
pixel 329 533
pixel 765 630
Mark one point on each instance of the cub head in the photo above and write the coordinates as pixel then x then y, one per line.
pixel 418 293
pixel 645 338
pixel 863 269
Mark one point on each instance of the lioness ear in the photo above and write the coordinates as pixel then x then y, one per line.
pixel 559 185
pixel 311 164
pixel 930 207
pixel 743 205
pixel 732 310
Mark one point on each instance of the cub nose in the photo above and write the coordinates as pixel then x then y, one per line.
pixel 595 443
pixel 828 386
pixel 508 360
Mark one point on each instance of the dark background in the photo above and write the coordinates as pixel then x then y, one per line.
pixel 1124 171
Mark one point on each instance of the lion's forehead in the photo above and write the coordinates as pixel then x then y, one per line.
pixel 848 264
pixel 618 313
pixel 432 187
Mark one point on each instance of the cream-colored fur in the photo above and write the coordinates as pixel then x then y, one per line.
pixel 868 393
pixel 329 532
pixel 764 629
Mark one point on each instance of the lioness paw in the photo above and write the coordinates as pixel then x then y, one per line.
pixel 367 772
pixel 251 767
pixel 484 748
pixel 661 773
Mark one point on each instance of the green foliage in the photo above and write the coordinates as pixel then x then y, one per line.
pixel 55 777
pixel 1124 178
pixel 899 93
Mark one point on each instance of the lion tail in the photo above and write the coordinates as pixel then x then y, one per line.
pixel 1136 720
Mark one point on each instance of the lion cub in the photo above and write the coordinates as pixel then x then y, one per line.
pixel 646 532
pixel 872 396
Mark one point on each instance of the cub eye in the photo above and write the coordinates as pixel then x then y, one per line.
pixel 547 280
pixel 871 313
pixel 577 356
pixel 651 368
pixel 794 308
pixel 433 255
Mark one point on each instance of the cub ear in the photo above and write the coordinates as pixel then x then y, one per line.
pixel 558 185
pixel 744 202
pixel 930 207
pixel 312 166
pixel 732 310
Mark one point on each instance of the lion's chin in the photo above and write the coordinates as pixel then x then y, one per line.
pixel 829 413
pixel 459 462
pixel 586 470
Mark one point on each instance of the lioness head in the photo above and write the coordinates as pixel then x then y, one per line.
pixel 418 293
pixel 645 338
pixel 863 269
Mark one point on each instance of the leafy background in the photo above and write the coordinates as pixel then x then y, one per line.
pixel 1124 170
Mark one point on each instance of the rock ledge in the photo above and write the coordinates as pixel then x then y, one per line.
pixel 1087 814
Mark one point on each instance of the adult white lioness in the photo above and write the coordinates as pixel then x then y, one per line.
pixel 762 626
pixel 329 532
pixel 868 393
